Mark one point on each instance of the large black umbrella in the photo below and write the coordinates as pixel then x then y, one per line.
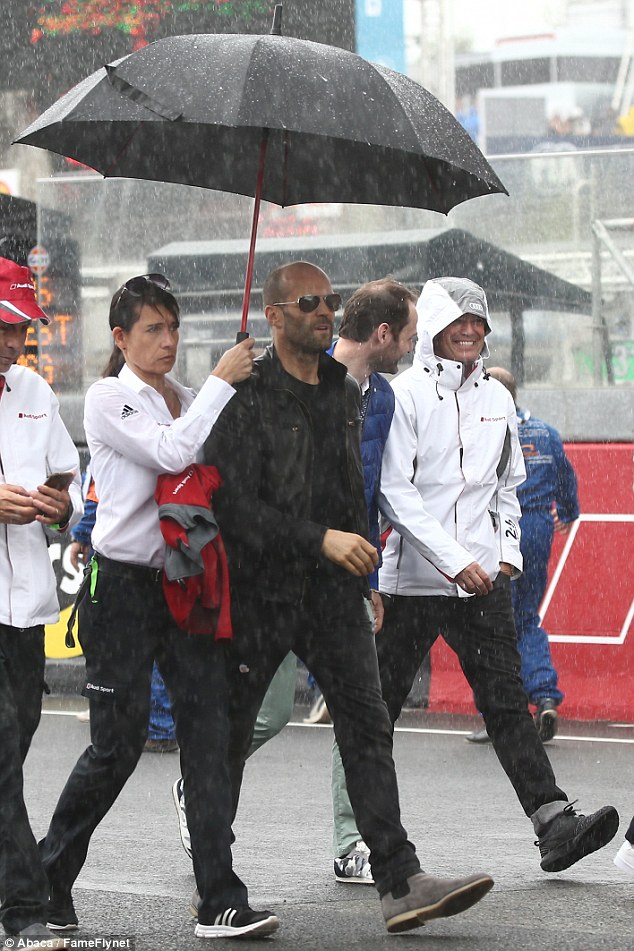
pixel 270 116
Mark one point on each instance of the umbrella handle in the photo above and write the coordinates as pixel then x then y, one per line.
pixel 241 335
pixel 254 229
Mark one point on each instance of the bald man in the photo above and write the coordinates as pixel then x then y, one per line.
pixel 294 520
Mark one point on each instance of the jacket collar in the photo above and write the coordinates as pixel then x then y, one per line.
pixel 329 369
pixel 448 373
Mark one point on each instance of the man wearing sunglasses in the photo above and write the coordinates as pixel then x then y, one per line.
pixel 294 521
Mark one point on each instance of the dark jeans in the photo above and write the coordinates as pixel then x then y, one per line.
pixel 161 722
pixel 482 633
pixel 23 884
pixel 330 632
pixel 122 630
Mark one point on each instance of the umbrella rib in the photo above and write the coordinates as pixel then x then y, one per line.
pixel 128 91
pixel 122 151
pixel 433 184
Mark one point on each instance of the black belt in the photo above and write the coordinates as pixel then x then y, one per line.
pixel 128 570
pixel 137 574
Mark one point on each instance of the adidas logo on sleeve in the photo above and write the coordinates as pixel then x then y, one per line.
pixel 128 411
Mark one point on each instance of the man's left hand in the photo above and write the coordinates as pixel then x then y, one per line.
pixel 54 505
pixel 562 528
pixel 349 551
pixel 474 580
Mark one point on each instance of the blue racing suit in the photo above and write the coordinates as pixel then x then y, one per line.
pixel 550 480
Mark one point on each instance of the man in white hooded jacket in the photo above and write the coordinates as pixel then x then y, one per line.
pixel 450 470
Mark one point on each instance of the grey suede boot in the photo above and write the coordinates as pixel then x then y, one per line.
pixel 422 897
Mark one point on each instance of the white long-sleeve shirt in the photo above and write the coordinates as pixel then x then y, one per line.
pixel 132 439
pixel 33 444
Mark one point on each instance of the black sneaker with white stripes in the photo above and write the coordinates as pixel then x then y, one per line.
pixel 236 922
pixel 179 802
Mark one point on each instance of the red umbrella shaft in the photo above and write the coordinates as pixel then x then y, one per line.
pixel 254 230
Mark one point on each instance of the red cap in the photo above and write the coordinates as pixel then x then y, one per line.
pixel 17 295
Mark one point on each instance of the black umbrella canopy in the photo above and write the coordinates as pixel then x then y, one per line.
pixel 192 109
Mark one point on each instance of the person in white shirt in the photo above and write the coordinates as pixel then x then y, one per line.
pixel 140 422
pixel 34 445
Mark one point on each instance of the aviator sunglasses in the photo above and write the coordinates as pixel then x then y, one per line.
pixel 136 285
pixel 310 302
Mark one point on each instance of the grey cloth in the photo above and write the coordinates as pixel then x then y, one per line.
pixel 468 296
pixel 546 813
pixel 201 527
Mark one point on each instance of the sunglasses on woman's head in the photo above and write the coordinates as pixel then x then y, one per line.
pixel 310 302
pixel 136 285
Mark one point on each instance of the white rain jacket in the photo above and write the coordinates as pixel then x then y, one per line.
pixel 439 486
pixel 33 444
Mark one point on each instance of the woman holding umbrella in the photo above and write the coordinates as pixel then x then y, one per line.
pixel 140 422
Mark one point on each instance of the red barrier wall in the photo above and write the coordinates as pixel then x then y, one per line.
pixel 588 609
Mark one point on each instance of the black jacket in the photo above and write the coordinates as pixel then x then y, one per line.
pixel 263 446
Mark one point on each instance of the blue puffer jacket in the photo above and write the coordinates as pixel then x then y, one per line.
pixel 376 426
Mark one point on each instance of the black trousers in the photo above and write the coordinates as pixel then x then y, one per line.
pixel 124 627
pixel 23 884
pixel 482 633
pixel 330 632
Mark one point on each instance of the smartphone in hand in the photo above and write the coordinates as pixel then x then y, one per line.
pixel 60 480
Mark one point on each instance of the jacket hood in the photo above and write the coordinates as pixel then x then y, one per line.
pixel 442 301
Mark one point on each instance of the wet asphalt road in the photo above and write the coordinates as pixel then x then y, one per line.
pixel 458 808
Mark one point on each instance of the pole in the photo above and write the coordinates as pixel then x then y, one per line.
pixel 597 348
pixel 518 343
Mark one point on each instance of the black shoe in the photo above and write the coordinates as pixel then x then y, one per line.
pixel 36 936
pixel 61 915
pixel 160 746
pixel 546 718
pixel 570 836
pixel 183 828
pixel 237 922
pixel 318 712
pixel 414 704
pixel 478 736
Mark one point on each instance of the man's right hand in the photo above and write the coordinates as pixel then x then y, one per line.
pixel 16 505
pixel 350 551
pixel 474 580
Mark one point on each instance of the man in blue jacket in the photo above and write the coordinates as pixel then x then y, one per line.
pixel 377 329
pixel 549 504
